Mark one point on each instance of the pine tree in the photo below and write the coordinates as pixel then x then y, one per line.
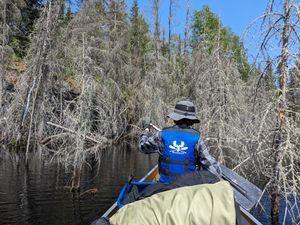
pixel 208 32
pixel 100 6
pixel 69 14
pixel 164 46
pixel 170 21
pixel 22 15
pixel 156 8
pixel 117 44
pixel 116 15
pixel 138 34
pixel 294 94
pixel 30 14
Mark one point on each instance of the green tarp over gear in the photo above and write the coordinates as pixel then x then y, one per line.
pixel 205 204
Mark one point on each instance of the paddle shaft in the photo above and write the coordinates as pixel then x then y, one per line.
pixel 155 127
pixel 235 185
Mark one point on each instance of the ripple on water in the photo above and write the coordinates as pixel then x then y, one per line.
pixel 38 194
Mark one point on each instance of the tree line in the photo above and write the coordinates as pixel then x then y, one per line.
pixel 74 83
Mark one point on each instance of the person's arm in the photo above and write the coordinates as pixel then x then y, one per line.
pixel 150 143
pixel 207 161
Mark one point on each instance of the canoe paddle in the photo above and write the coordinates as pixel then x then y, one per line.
pixel 246 193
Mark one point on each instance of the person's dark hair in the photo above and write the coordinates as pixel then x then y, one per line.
pixel 184 122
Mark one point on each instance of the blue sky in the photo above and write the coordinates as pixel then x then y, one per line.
pixel 236 14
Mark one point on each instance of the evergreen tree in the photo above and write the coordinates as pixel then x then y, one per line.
pixel 21 16
pixel 294 93
pixel 269 76
pixel 155 12
pixel 138 34
pixel 30 14
pixel 208 32
pixel 100 7
pixel 69 14
pixel 164 46
pixel 179 50
pixel 117 24
pixel 117 16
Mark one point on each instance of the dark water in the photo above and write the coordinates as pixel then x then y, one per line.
pixel 289 213
pixel 37 194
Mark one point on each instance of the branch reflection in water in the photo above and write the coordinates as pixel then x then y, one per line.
pixel 39 193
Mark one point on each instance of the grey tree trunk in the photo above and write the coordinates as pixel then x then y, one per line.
pixel 157 28
pixel 186 30
pixel 281 114
pixel 2 63
pixel 39 70
pixel 170 18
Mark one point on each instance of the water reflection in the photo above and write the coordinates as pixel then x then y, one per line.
pixel 37 195
pixel 263 211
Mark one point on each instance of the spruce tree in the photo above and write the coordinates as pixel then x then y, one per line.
pixel 138 34
pixel 208 32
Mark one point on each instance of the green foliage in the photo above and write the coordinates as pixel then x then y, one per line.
pixel 20 18
pixel 138 33
pixel 208 32
pixel 164 47
pixel 100 7
pixel 205 28
pixel 69 14
pixel 30 14
pixel 19 44
pixel 117 15
pixel 294 93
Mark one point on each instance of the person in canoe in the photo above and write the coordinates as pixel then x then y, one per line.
pixel 181 148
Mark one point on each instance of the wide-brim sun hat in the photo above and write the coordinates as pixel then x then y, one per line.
pixel 184 110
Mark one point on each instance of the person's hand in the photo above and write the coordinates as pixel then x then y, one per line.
pixel 147 124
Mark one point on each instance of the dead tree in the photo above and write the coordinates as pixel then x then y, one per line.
pixel 35 101
pixel 186 31
pixel 95 116
pixel 170 22
pixel 26 114
pixel 3 44
pixel 220 97
pixel 156 8
pixel 10 17
pixel 280 24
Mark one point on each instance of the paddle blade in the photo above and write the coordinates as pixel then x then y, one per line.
pixel 246 193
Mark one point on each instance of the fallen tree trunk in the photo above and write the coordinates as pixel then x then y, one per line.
pixel 102 141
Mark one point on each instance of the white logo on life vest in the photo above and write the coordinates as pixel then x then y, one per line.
pixel 178 149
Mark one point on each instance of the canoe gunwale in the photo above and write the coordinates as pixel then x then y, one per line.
pixel 149 177
pixel 115 205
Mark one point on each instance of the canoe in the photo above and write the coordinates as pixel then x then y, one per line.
pixel 153 175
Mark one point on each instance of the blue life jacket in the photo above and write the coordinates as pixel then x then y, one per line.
pixel 178 154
